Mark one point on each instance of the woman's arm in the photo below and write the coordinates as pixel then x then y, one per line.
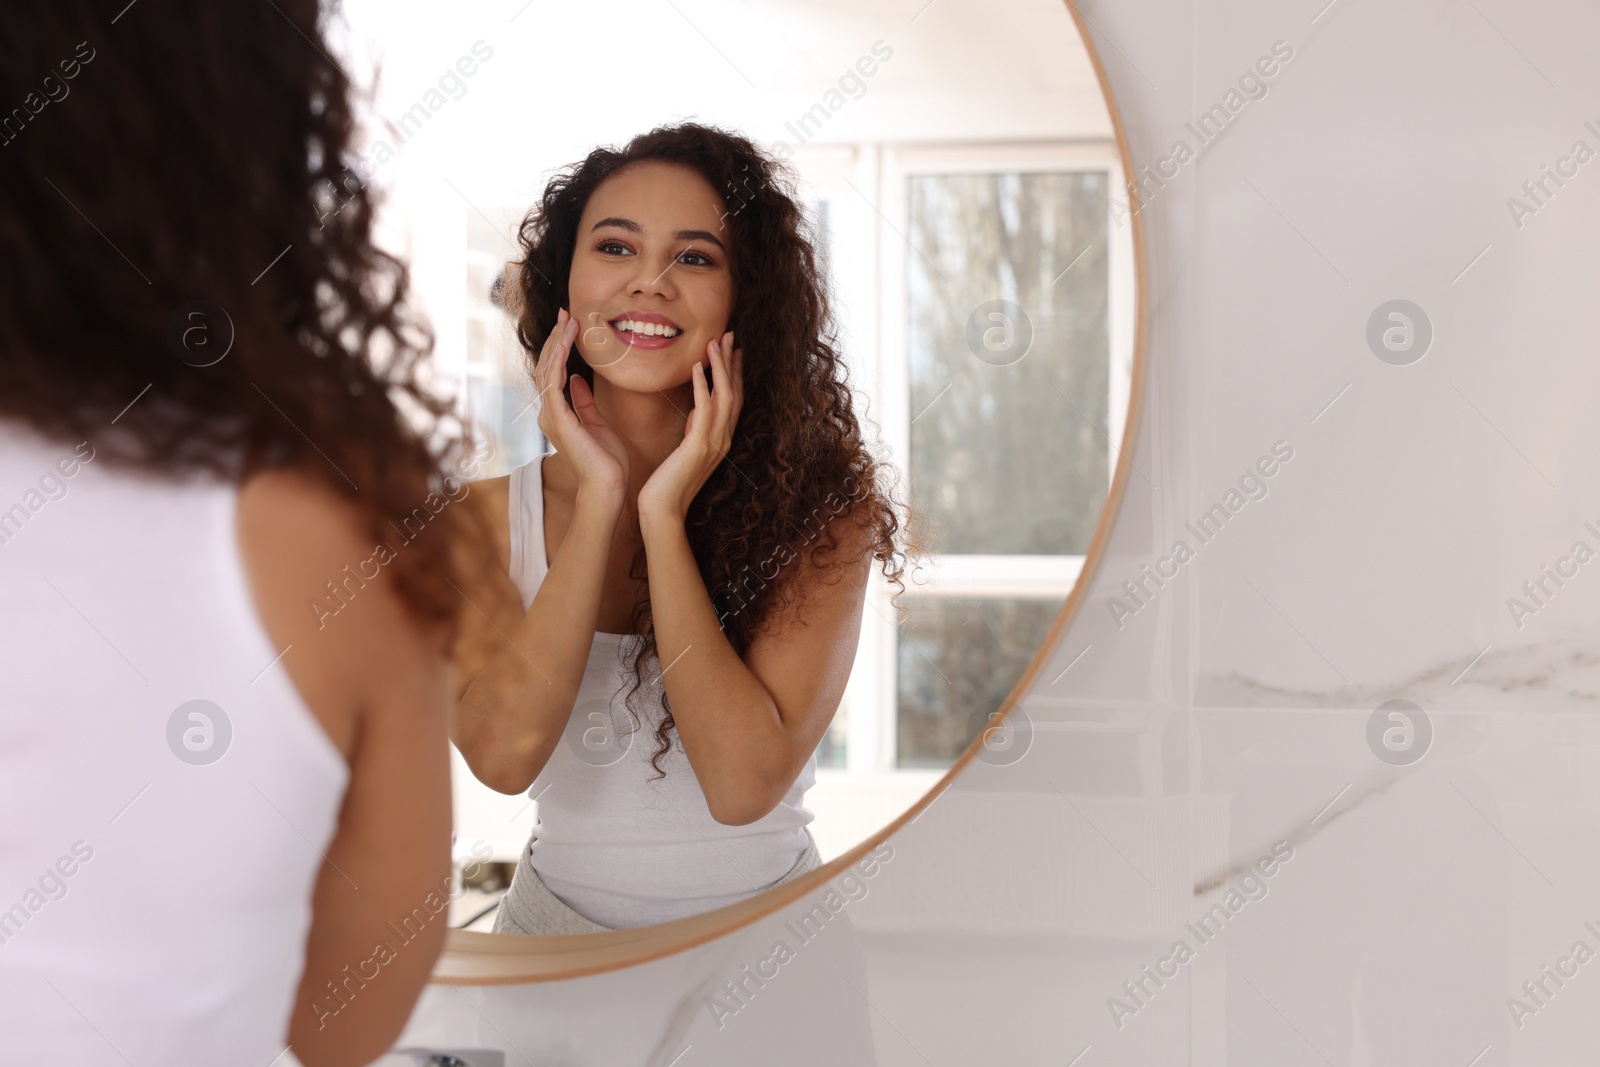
pixel 748 726
pixel 520 671
pixel 521 682
pixel 380 687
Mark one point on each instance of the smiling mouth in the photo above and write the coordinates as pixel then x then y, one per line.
pixel 632 328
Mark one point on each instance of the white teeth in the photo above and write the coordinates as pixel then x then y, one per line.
pixel 646 329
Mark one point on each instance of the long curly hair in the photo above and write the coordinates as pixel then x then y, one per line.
pixel 798 467
pixel 181 187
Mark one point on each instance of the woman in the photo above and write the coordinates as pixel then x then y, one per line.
pixel 223 737
pixel 714 513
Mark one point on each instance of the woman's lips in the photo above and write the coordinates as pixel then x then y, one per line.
pixel 639 340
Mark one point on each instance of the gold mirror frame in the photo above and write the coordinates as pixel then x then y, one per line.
pixel 477 958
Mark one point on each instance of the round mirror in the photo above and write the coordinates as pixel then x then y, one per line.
pixel 960 189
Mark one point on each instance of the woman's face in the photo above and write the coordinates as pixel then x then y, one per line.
pixel 651 283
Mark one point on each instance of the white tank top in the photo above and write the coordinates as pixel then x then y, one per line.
pixel 617 847
pixel 153 905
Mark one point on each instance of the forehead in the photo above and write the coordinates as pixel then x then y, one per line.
pixel 658 196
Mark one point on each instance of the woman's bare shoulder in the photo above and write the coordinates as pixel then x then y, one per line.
pixel 483 551
pixel 491 499
pixel 494 603
pixel 296 535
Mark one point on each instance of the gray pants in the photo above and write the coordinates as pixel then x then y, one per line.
pixel 529 907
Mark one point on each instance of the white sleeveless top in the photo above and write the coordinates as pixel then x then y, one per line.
pixel 619 848
pixel 153 906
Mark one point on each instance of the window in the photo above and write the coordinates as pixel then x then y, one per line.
pixel 1002 338
pixel 986 296
pixel 499 390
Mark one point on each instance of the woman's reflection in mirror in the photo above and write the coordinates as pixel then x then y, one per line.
pixel 684 575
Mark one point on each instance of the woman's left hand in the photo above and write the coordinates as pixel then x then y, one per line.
pixel 707 436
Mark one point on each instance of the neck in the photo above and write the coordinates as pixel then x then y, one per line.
pixel 650 425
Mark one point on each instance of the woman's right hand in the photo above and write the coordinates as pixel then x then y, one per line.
pixel 578 431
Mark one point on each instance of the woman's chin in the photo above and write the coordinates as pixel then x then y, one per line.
pixel 634 375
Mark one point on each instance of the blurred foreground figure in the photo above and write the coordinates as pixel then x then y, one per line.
pixel 226 555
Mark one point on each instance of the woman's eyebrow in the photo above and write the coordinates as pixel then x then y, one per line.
pixel 682 235
pixel 700 235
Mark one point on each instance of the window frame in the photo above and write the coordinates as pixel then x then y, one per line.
pixel 871 179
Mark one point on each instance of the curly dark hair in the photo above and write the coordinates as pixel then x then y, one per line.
pixel 183 172
pixel 798 467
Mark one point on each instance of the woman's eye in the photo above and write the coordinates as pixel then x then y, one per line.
pixel 691 257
